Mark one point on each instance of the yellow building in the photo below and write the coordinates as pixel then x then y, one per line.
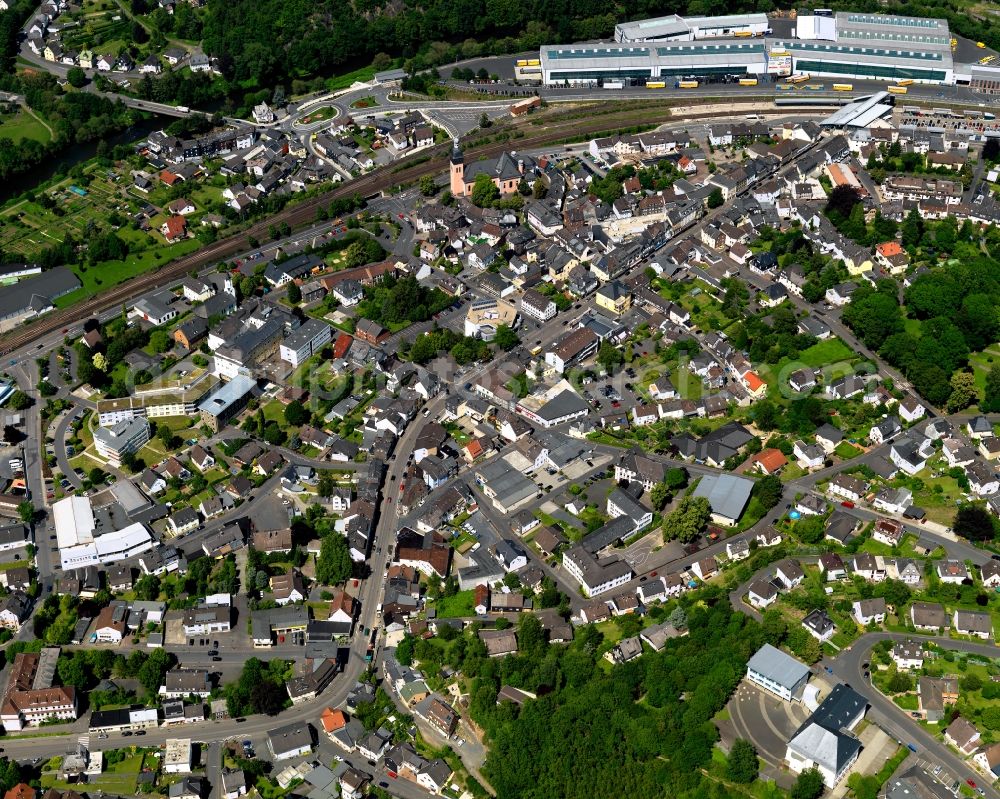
pixel 614 297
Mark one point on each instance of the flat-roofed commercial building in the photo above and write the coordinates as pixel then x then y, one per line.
pixel 219 407
pixel 845 45
pixel 677 28
pixel 305 342
pixel 157 401
pixel 115 442
pixel 778 672
pixel 639 64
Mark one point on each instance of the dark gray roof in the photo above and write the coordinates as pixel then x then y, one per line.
pixel 609 534
pixel 839 709
pixel 37 292
pixel 563 404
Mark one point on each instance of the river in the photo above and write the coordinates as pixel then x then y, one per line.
pixel 74 155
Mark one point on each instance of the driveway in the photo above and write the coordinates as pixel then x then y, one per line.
pixel 768 723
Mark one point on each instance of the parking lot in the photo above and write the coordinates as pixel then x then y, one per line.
pixel 768 723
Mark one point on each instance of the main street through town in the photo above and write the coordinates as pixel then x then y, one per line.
pixel 646 557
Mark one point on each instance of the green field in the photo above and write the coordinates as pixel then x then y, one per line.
pixel 846 450
pixel 451 607
pixel 344 81
pixel 982 362
pixel 823 353
pixel 826 352
pixel 23 125
pixel 111 273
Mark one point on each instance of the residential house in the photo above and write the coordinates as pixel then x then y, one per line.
pixel 870 611
pixel 973 622
pixel 928 616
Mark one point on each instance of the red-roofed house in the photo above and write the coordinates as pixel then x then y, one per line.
pixel 756 387
pixel 20 791
pixel 892 256
pixel 169 177
pixel 331 719
pixel 473 451
pixel 481 599
pixel 174 229
pixel 342 345
pixel 769 461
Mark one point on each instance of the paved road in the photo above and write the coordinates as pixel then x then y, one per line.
pixel 848 666
pixel 60 435
pixel 22 748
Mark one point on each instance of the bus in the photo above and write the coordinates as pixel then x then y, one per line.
pixel 815 87
pixel 748 81
pixel 656 84
pixel 904 82
pixel 843 87
pixel 743 34
pixel 614 84
pixel 529 62
pixel 800 78
pixel 785 88
pixel 687 84
pixel 897 90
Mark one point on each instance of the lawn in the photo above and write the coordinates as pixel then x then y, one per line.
pixel 906 701
pixel 23 125
pixel 321 114
pixel 461 604
pixel 846 450
pixel 982 362
pixel 111 273
pixel 826 352
pixel 119 779
pixel 688 385
pixel 938 497
pixel 823 353
pixel 348 78
pixel 274 411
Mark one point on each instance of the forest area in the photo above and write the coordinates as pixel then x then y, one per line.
pixel 631 730
pixel 264 43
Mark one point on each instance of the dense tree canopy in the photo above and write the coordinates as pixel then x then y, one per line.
pixel 687 520
pixel 588 734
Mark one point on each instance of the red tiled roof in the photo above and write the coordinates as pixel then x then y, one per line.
pixel 753 382
pixel 332 720
pixel 176 226
pixel 771 459
pixel 342 345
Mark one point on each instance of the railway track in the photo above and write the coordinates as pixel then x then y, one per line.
pixel 561 126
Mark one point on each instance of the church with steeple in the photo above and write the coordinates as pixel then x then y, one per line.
pixel 505 172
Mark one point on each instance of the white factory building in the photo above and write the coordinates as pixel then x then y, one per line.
pixel 839 45
pixel 81 543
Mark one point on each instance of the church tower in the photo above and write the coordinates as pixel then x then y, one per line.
pixel 457 170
